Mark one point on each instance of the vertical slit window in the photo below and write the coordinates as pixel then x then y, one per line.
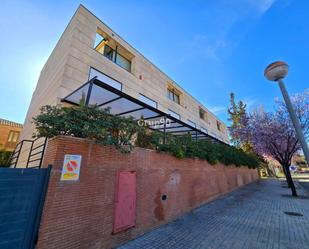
pixel 13 136
pixel 219 126
pixel 172 95
pixel 203 114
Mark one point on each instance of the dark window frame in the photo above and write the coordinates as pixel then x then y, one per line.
pixel 219 126
pixel 173 95
pixel 113 54
pixel 202 114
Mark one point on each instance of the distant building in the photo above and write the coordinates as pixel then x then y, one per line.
pixel 9 134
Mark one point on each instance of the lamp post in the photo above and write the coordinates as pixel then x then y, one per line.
pixel 276 72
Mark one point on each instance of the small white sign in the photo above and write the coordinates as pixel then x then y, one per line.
pixel 293 168
pixel 71 167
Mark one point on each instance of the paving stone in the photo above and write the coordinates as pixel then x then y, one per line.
pixel 251 217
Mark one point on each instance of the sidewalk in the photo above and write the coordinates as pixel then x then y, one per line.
pixel 251 217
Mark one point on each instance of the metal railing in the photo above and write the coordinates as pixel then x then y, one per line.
pixel 28 153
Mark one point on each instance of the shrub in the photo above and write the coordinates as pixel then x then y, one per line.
pixel 5 158
pixel 98 124
pixel 89 122
pixel 213 152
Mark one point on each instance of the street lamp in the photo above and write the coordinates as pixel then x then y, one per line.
pixel 276 72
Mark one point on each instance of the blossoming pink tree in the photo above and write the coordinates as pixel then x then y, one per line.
pixel 272 133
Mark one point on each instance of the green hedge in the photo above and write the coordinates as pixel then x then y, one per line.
pixel 213 152
pixel 105 128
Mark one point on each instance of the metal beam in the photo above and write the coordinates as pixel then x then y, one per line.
pixel 143 105
pixel 181 131
pixel 89 93
pixel 158 116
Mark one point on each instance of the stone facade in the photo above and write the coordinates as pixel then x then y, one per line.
pixel 80 214
pixel 69 65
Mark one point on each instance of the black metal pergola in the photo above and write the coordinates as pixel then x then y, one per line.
pixel 96 92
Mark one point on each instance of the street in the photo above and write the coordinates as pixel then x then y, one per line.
pixel 259 215
pixel 303 181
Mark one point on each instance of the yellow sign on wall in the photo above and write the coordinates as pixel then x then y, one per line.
pixel 71 167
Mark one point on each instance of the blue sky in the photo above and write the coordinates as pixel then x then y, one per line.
pixel 208 47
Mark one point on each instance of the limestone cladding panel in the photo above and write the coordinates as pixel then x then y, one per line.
pixel 154 82
pixel 69 64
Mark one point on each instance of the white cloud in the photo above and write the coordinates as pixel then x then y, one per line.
pixel 261 5
pixel 206 47
pixel 250 102
pixel 202 47
pixel 211 46
pixel 217 109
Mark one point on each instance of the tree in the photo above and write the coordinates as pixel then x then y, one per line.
pixel 272 133
pixel 237 111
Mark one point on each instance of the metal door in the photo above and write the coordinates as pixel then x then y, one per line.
pixel 125 201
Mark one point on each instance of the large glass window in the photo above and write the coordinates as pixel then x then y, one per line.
pixel 204 130
pixel 191 123
pixel 148 101
pixel 173 114
pixel 172 95
pixel 123 62
pixel 109 49
pixel 106 79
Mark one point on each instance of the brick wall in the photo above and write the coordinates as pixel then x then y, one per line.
pixel 80 214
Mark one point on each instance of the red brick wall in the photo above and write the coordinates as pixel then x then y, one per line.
pixel 80 214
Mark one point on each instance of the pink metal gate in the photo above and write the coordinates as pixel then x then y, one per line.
pixel 125 201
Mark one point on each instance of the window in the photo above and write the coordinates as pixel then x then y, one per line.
pixel 13 136
pixel 104 78
pixel 123 62
pixel 191 123
pixel 117 58
pixel 204 130
pixel 203 114
pixel 173 114
pixel 109 53
pixel 148 101
pixel 111 50
pixel 219 126
pixel 172 95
